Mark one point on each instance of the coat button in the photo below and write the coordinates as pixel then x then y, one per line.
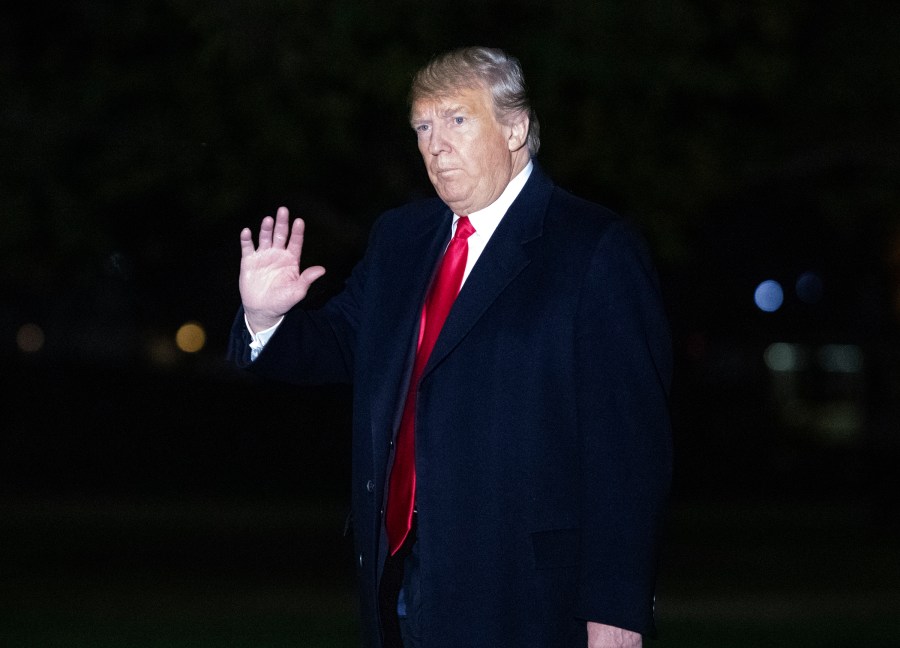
pixel 360 560
pixel 370 485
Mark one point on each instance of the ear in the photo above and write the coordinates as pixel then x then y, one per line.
pixel 518 132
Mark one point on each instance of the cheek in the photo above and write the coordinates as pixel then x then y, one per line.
pixel 493 158
pixel 483 154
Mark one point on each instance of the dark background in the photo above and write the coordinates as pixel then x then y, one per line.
pixel 150 496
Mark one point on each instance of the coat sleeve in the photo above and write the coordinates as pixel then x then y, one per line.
pixel 623 375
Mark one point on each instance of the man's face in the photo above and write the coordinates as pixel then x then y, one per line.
pixel 470 156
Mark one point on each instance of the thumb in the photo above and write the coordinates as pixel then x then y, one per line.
pixel 311 273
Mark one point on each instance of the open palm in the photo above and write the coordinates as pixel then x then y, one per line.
pixel 271 282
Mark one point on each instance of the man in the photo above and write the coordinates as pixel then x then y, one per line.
pixel 510 466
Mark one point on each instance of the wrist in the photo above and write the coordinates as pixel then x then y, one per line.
pixel 257 322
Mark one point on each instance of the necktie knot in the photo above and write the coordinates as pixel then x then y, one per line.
pixel 464 228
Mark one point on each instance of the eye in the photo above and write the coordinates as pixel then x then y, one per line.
pixel 458 120
pixel 421 128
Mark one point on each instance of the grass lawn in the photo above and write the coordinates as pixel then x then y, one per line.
pixel 116 573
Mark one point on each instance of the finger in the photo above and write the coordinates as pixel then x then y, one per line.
pixel 311 274
pixel 265 233
pixel 295 244
pixel 282 218
pixel 247 242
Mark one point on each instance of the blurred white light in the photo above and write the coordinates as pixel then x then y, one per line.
pixel 784 356
pixel 769 296
pixel 840 358
pixel 809 287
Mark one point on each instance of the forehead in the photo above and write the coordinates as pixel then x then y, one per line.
pixel 471 100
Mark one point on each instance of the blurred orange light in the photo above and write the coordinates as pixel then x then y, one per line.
pixel 190 337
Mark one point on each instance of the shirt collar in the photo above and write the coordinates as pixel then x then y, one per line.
pixel 485 221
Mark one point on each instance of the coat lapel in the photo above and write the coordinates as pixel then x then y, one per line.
pixel 505 256
pixel 420 248
pixel 412 274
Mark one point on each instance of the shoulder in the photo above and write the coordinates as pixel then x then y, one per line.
pixel 568 214
pixel 405 230
pixel 580 233
pixel 414 216
pixel 587 223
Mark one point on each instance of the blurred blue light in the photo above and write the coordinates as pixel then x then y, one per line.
pixel 809 287
pixel 769 296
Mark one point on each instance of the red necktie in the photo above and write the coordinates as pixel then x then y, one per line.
pixel 402 486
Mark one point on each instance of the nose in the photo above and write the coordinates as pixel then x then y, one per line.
pixel 437 142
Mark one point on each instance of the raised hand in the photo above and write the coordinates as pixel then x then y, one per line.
pixel 271 282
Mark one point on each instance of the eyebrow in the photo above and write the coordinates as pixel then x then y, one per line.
pixel 453 110
pixel 449 110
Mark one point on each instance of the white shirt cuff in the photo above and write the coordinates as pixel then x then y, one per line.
pixel 260 339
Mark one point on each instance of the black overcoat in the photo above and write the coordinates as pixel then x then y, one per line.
pixel 543 444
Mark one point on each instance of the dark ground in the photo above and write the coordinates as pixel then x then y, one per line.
pixel 185 511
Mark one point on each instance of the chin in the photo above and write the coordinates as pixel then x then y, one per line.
pixel 448 198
